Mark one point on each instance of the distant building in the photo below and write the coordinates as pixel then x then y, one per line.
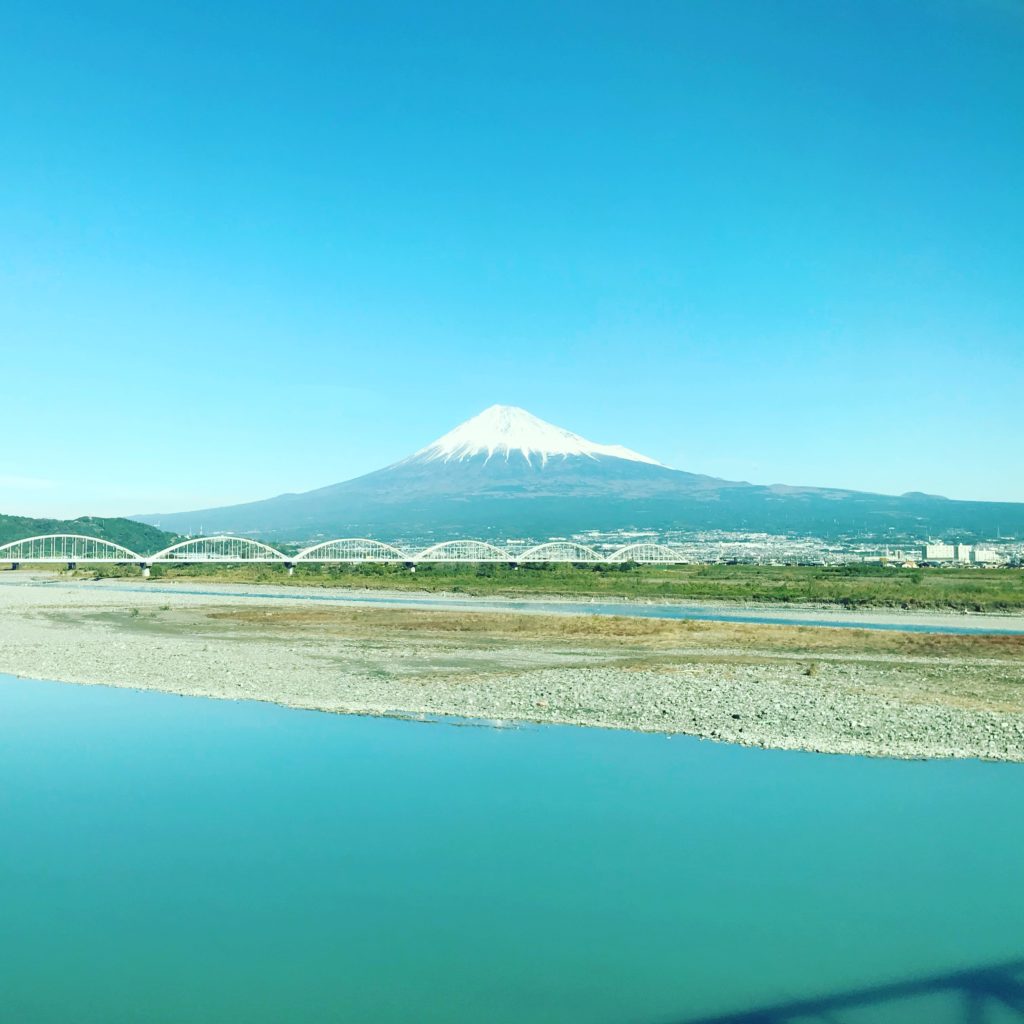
pixel 987 556
pixel 963 552
pixel 938 552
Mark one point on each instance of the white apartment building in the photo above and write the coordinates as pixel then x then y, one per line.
pixel 987 556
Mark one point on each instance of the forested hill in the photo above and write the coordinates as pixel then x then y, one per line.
pixel 140 537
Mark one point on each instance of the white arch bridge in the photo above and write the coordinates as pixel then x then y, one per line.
pixel 73 549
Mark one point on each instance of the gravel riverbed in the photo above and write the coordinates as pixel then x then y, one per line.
pixel 160 638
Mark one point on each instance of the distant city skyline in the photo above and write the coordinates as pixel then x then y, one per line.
pixel 248 251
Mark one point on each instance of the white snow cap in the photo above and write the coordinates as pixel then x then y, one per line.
pixel 504 429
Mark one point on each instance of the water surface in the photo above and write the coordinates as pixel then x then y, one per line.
pixel 170 859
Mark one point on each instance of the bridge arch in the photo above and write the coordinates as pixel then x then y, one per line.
pixel 352 549
pixel 219 549
pixel 560 551
pixel 647 553
pixel 463 551
pixel 66 547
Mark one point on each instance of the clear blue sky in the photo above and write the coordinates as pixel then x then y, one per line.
pixel 251 248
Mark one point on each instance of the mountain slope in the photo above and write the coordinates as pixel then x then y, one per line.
pixel 505 472
pixel 138 536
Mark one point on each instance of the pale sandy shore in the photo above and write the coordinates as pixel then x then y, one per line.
pixel 840 691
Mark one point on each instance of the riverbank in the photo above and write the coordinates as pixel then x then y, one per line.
pixel 879 693
pixel 849 586
pixel 795 613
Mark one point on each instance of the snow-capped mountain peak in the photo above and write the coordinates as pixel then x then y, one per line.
pixel 504 430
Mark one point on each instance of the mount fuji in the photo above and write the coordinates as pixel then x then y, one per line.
pixel 509 433
pixel 507 473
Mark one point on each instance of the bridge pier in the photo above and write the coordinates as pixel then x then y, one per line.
pixel 411 566
pixel 145 570
pixel 72 565
pixel 290 566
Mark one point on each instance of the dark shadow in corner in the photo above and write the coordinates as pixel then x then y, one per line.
pixel 974 990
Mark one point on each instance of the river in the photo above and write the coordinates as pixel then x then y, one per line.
pixel 169 859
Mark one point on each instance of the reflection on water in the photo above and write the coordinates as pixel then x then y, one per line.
pixel 184 860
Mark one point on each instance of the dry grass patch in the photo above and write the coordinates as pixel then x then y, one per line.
pixel 618 631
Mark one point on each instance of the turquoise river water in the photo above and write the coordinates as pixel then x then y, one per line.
pixel 179 860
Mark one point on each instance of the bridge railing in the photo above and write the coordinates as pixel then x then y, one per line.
pixel 464 551
pixel 353 549
pixel 561 551
pixel 226 548
pixel 219 549
pixel 66 547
